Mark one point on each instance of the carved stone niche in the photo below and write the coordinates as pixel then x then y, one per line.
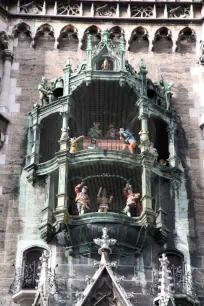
pixel 3 127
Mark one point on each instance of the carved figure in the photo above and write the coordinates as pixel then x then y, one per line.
pixel 166 92
pixel 45 92
pixel 75 144
pixel 129 140
pixel 103 200
pixel 132 200
pixel 112 132
pixel 30 8
pixel 105 65
pixel 95 132
pixel 82 199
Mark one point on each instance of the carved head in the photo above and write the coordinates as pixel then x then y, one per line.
pixel 84 189
pixel 96 124
pixel 104 192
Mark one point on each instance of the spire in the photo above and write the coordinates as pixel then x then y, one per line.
pixel 165 289
pixel 89 42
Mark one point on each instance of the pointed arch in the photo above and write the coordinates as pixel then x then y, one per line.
pixel 163 40
pixel 21 28
pixel 96 36
pixel 139 40
pixel 44 36
pixel 186 40
pixel 68 38
pixel 115 33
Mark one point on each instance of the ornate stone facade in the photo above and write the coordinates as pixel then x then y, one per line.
pixel 103 65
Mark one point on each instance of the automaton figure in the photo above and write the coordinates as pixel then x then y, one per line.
pixel 129 140
pixel 112 132
pixel 45 92
pixel 95 131
pixel 74 146
pixel 132 200
pixel 166 92
pixel 103 200
pixel 82 199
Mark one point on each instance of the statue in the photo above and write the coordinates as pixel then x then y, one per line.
pixel 95 132
pixel 105 65
pixel 166 92
pixel 74 144
pixel 112 132
pixel 45 92
pixel 82 199
pixel 132 199
pixel 103 200
pixel 129 140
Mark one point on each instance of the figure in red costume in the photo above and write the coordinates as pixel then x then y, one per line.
pixel 132 200
pixel 82 199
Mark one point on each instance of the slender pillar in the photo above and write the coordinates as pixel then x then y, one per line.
pixel 61 213
pixel 174 161
pixel 34 157
pixel 7 56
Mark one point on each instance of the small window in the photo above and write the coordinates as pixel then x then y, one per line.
pixel 31 263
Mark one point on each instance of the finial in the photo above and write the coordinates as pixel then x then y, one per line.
pixel 89 42
pixel 104 244
pixel 122 43
pixel 67 63
pixel 165 288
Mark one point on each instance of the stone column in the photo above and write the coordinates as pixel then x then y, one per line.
pixel 148 160
pixel 174 161
pixel 7 56
pixel 61 210
pixel 34 157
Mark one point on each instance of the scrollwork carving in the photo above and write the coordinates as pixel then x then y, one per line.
pixel 141 11
pixel 106 10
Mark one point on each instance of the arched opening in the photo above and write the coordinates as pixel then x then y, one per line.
pixel 49 136
pixel 159 137
pixel 109 176
pixel 44 37
pixel 115 34
pixel 23 32
pixel 30 267
pixel 96 36
pixel 163 41
pixel 100 111
pixel 68 39
pixel 186 41
pixel 139 40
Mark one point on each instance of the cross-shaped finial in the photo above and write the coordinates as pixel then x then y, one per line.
pixel 105 242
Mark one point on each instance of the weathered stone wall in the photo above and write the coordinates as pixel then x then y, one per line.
pixel 20 203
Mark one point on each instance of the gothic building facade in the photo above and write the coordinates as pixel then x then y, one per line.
pixel 101 152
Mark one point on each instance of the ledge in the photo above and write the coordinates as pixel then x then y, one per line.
pixel 24 296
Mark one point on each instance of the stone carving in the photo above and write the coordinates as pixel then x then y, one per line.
pixel 132 200
pixel 105 242
pixel 31 8
pixel 45 92
pixel 82 199
pixel 67 9
pixel 105 40
pixel 141 11
pixel 106 10
pixel 103 201
pixel 179 11
pixel 166 92
pixel 4 40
